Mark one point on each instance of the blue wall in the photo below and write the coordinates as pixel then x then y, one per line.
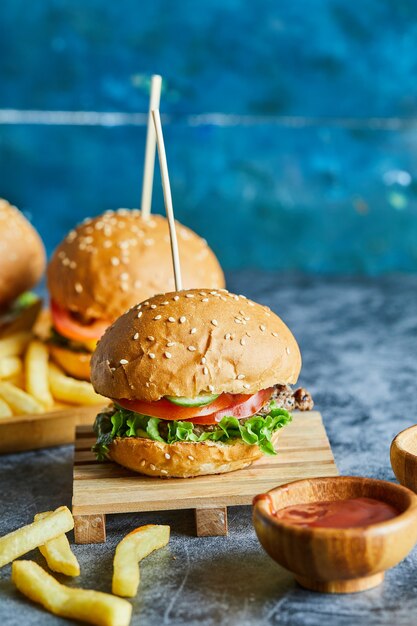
pixel 291 126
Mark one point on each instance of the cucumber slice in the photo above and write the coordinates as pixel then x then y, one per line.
pixel 202 400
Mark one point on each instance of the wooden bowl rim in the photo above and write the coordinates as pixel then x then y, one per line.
pixel 260 507
pixel 398 439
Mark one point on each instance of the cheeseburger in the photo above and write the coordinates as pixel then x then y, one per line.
pixel 22 263
pixel 199 381
pixel 106 265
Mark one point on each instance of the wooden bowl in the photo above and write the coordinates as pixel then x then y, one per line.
pixel 338 560
pixel 404 457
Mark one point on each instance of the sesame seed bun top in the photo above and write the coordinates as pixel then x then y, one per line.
pixel 113 261
pixel 194 341
pixel 22 255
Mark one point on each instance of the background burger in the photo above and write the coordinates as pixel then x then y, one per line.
pixel 199 381
pixel 22 263
pixel 106 265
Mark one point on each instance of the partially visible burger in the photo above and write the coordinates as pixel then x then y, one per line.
pixel 199 382
pixel 106 265
pixel 22 263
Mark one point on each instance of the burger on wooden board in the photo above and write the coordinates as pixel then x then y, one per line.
pixel 106 265
pixel 200 383
pixel 22 263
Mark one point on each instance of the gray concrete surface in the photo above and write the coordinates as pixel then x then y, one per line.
pixel 358 338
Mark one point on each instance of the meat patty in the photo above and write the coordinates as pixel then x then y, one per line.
pixel 286 398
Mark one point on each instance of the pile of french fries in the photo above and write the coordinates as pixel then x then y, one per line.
pixel 30 383
pixel 47 533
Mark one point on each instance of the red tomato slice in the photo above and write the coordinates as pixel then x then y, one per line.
pixel 239 409
pixel 237 405
pixel 69 327
pixel 168 411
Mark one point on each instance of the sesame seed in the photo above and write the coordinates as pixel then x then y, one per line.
pixel 168 355
pixel 107 243
pixel 123 361
pixel 73 265
pixel 189 295
pixel 202 293
pixel 176 298
pixel 240 376
pixel 140 314
pixel 214 293
pixel 157 317
pixel 114 260
pixel 152 466
pixel 78 287
pixel 248 333
pixel 171 319
pixel 151 355
pixel 247 318
pixel 227 336
pixel 237 320
pixel 164 303
pixel 288 350
pixel 150 338
pixel 203 360
pixel 246 386
pixel 191 457
pixel 124 276
pixel 262 328
pixel 242 342
pixel 211 388
pixel 124 287
pixel 153 306
pixel 215 322
pixel 139 306
pixel 204 300
pixel 167 456
pixel 143 463
pixel 193 331
pixel 274 334
pixel 136 336
pixel 205 371
pixel 192 348
pixel 146 303
pixel 164 471
pixel 183 319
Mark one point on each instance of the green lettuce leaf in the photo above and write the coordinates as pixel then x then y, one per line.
pixel 256 430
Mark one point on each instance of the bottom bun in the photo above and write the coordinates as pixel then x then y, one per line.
pixel 182 459
pixel 76 364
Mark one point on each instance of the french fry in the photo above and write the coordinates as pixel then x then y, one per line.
pixel 36 371
pixel 10 366
pixel 15 344
pixel 58 554
pixel 33 535
pixel 5 410
pixel 71 390
pixel 85 605
pixel 132 549
pixel 20 401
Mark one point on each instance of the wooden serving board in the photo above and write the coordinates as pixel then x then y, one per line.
pixel 100 488
pixel 43 430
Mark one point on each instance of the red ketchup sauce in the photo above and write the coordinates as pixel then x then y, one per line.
pixel 351 513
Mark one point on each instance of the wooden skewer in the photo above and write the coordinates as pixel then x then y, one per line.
pixel 148 170
pixel 167 198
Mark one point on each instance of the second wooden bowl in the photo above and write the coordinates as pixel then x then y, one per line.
pixel 331 559
pixel 404 457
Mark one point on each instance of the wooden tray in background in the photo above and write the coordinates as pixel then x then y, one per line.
pixel 43 430
pixel 101 488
